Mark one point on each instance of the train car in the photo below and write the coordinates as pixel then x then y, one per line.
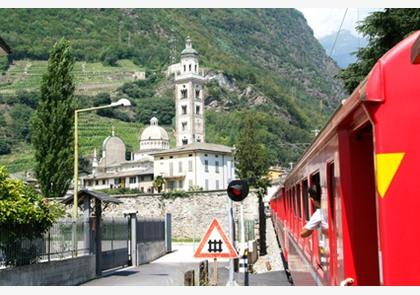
pixel 365 162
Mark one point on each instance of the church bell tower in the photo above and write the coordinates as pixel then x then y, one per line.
pixel 189 98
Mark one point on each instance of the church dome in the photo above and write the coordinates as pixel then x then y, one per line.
pixel 154 131
pixel 188 48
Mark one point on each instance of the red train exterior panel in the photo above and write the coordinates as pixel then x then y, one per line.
pixel 365 162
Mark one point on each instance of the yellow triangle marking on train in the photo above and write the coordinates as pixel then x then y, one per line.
pixel 386 167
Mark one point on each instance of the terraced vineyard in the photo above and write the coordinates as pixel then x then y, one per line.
pixel 91 78
pixel 93 129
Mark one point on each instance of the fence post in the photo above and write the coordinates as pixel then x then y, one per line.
pixel 133 242
pixel 49 244
pixel 204 273
pixel 86 225
pixel 189 278
pixel 168 232
pixel 98 238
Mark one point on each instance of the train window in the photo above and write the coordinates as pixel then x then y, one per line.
pixel 298 201
pixel 315 179
pixel 306 199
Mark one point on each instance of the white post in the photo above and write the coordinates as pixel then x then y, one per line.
pixel 231 281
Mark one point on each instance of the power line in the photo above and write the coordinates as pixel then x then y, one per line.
pixel 338 33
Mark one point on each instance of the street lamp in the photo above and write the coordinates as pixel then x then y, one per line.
pixel 122 102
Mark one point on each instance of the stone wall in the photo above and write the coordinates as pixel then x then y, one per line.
pixel 67 272
pixel 191 215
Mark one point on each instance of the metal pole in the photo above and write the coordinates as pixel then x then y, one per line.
pixel 230 222
pixel 75 187
pixel 246 275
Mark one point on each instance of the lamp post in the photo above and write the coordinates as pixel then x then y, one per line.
pixel 122 102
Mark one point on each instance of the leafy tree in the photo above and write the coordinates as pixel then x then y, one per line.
pixel 384 29
pixel 158 183
pixel 24 214
pixel 251 163
pixel 162 108
pixel 5 147
pixel 52 125
pixel 21 115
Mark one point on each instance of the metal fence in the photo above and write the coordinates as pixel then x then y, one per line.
pixel 249 229
pixel 115 233
pixel 55 244
pixel 150 230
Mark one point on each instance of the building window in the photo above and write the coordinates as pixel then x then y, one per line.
pixel 189 68
pixel 197 110
pixel 185 141
pixel 185 68
pixel 217 166
pixel 217 184
pixel 180 166
pixel 190 184
pixel 216 156
pixel 184 126
pixel 206 185
pixel 181 184
pixel 184 110
pixel 206 166
pixel 195 68
pixel 184 93
pixel 197 93
pixel 190 166
pixel 132 180
pixel 103 181
pixel 96 182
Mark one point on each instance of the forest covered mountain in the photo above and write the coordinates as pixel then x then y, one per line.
pixel 266 60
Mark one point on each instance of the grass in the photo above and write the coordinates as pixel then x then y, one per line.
pixel 91 78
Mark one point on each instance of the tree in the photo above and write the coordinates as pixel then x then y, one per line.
pixel 158 183
pixel 24 214
pixel 252 163
pixel 384 30
pixel 52 124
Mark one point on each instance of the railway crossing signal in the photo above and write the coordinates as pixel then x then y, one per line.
pixel 237 190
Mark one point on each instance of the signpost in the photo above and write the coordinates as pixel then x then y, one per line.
pixel 215 244
pixel 237 191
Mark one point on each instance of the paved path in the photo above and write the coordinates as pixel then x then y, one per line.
pixel 169 271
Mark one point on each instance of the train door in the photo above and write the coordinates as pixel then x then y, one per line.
pixel 334 225
pixel 306 216
pixel 357 181
pixel 321 249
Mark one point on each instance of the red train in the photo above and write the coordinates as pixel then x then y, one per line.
pixel 366 162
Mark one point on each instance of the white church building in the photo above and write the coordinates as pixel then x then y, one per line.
pixel 193 163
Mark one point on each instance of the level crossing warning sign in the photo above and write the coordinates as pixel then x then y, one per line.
pixel 215 243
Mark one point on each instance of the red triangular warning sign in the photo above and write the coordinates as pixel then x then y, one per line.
pixel 215 243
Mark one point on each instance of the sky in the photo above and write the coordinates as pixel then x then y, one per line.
pixel 325 21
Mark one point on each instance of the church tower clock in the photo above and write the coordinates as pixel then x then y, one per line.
pixel 189 98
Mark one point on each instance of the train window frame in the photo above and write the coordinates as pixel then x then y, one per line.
pixel 306 202
pixel 299 201
pixel 315 175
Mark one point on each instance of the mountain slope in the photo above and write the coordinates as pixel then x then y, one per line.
pixel 268 58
